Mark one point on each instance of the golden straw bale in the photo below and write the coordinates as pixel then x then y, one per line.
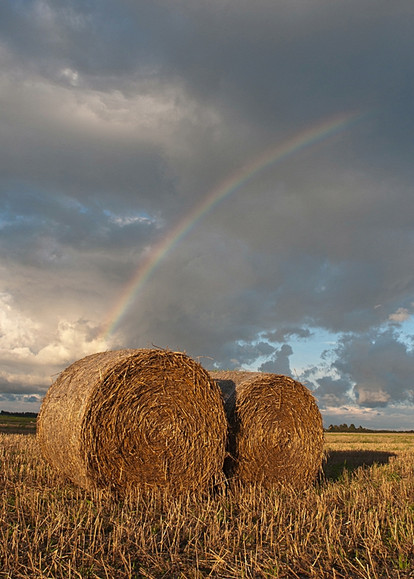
pixel 134 418
pixel 276 431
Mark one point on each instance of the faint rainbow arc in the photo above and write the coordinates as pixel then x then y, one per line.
pixel 226 187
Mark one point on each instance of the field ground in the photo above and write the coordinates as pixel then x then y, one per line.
pixel 352 450
pixel 10 424
pixel 357 521
pixel 387 441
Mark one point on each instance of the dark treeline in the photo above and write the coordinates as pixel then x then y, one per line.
pixel 353 428
pixel 25 414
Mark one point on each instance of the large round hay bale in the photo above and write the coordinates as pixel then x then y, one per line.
pixel 276 428
pixel 134 418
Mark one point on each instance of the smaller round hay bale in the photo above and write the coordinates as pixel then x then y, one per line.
pixel 134 418
pixel 276 430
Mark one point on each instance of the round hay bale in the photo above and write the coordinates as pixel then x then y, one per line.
pixel 276 431
pixel 134 418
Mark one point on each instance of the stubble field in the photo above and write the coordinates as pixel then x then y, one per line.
pixel 357 520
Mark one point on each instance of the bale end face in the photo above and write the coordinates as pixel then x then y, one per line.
pixel 276 429
pixel 135 418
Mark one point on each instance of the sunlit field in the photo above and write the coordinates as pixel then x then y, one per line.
pixel 356 521
pixel 390 441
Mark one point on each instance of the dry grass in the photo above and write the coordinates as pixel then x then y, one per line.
pixel 390 441
pixel 276 428
pixel 148 418
pixel 358 526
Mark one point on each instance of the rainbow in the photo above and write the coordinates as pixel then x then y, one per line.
pixel 224 189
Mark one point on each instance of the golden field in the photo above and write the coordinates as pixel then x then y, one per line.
pixel 357 520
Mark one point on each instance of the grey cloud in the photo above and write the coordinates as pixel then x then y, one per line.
pixel 75 33
pixel 378 366
pixel 25 402
pixel 283 334
pixel 186 39
pixel 340 56
pixel 42 229
pixel 339 59
pixel 236 355
pixel 119 120
pixel 118 174
pixel 333 392
pixel 234 294
pixel 11 390
pixel 280 363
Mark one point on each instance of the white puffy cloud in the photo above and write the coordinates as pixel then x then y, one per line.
pixel 30 355
pixel 16 330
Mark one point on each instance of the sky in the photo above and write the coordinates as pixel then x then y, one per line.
pixel 227 178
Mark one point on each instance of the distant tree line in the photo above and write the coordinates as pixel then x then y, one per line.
pixel 353 428
pixel 345 428
pixel 27 414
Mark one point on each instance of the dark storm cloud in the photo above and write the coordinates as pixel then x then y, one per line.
pixel 95 37
pixel 269 66
pixel 41 228
pixel 118 119
pixel 268 63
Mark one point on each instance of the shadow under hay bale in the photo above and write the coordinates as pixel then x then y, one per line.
pixel 276 431
pixel 134 418
pixel 338 461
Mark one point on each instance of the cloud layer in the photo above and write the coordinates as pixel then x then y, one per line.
pixel 119 119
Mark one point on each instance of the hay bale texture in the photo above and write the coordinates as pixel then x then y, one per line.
pixel 134 418
pixel 276 431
